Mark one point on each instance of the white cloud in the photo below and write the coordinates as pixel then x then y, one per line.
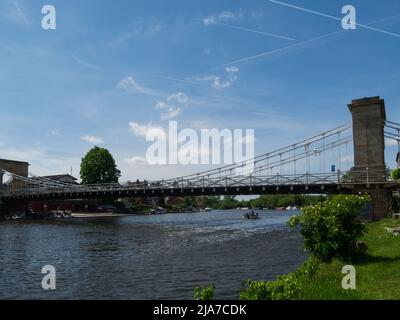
pixel 227 15
pixel 171 113
pixel 232 69
pixel 222 16
pixel 136 161
pixel 209 20
pixel 179 98
pixel 130 85
pixel 92 139
pixel 222 83
pixel 140 130
pixel 391 142
pixel 54 133
pixel 172 106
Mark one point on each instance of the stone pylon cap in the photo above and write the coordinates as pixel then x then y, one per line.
pixel 368 101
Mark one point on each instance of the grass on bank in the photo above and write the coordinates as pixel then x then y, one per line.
pixel 377 269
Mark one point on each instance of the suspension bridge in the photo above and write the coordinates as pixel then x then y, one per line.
pixel 347 159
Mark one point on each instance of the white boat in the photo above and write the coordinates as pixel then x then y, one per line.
pixel 57 214
pixel 158 210
pixel 207 209
pixel 289 208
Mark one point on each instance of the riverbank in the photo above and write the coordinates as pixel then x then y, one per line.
pixel 377 270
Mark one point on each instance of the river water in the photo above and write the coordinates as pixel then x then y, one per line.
pixel 146 257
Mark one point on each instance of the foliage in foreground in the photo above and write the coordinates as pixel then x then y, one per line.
pixel 206 293
pixel 331 228
pixel 377 269
pixel 396 174
pixel 377 273
pixel 285 287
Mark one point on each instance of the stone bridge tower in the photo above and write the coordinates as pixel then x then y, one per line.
pixel 20 168
pixel 369 171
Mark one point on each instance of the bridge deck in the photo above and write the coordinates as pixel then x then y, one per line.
pixel 128 192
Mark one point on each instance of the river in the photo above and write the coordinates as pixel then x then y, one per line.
pixel 146 257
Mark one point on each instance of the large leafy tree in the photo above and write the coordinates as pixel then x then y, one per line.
pixel 98 166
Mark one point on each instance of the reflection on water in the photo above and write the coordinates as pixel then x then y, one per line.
pixel 145 257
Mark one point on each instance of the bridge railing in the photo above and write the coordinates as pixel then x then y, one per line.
pixel 350 177
pixel 201 182
pixel 366 176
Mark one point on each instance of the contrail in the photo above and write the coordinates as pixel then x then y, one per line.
pixel 333 17
pixel 267 53
pixel 252 31
pixel 167 78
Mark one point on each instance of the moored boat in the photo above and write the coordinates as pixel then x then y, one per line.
pixel 158 210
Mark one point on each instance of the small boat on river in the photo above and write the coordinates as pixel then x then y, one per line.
pixel 251 216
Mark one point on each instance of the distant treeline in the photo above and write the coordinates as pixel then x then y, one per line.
pixel 264 201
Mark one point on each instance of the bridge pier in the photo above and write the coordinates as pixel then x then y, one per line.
pixel 369 169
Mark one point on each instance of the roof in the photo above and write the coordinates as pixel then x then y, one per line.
pixel 14 161
pixel 59 176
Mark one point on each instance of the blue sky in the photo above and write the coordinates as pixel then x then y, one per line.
pixel 112 64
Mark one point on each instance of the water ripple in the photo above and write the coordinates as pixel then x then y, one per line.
pixel 145 257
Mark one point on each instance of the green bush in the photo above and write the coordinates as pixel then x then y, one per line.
pixel 206 293
pixel 331 228
pixel 396 174
pixel 285 287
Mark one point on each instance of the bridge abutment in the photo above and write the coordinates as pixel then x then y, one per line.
pixel 381 203
pixel 13 206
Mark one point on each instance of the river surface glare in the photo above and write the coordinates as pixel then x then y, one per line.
pixel 146 257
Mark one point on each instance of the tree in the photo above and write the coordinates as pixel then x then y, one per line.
pixel 331 228
pixel 229 202
pixel 98 166
pixel 396 174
